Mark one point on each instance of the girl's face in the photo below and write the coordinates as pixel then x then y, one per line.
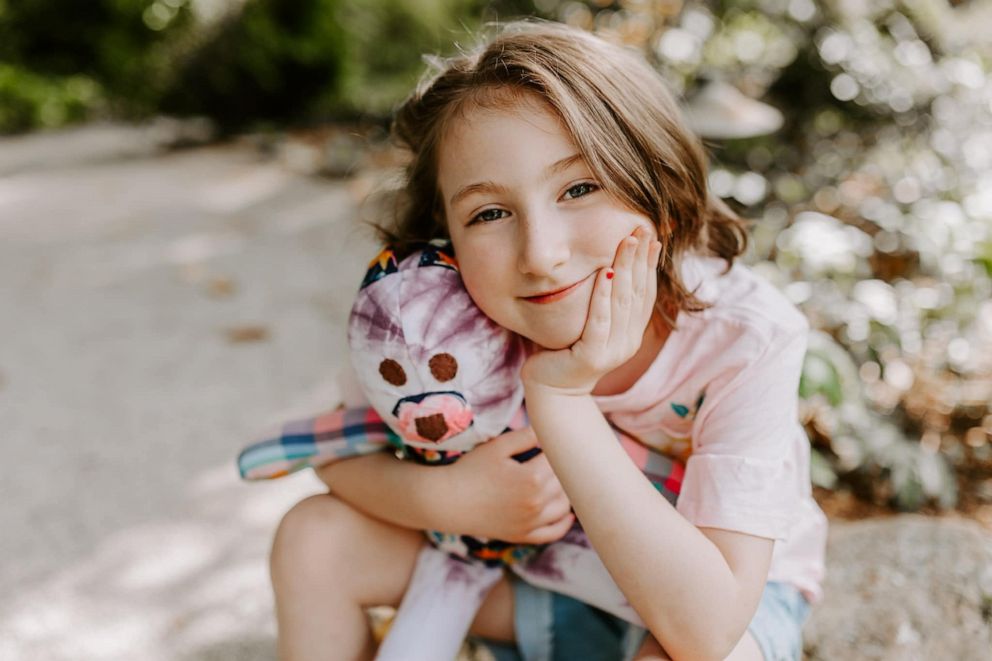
pixel 529 223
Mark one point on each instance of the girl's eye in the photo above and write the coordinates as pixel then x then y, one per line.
pixel 579 190
pixel 489 215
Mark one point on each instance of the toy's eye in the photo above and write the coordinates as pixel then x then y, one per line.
pixel 392 372
pixel 443 366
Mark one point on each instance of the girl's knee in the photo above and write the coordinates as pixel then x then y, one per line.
pixel 323 543
pixel 312 530
pixel 651 650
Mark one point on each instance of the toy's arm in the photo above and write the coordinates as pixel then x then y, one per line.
pixel 313 442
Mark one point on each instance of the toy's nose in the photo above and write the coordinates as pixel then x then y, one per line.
pixel 433 417
pixel 432 427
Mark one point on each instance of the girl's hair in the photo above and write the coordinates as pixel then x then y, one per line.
pixel 621 117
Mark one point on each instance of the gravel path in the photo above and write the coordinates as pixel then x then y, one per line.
pixel 157 310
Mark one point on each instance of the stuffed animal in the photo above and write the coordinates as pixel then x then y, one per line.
pixel 441 378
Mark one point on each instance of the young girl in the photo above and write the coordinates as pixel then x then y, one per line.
pixel 576 202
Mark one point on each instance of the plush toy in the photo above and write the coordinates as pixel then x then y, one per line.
pixel 442 378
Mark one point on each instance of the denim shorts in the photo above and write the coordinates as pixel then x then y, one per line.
pixel 553 627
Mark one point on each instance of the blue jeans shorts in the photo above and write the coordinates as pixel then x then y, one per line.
pixel 553 627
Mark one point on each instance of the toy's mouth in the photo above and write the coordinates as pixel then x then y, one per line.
pixel 434 416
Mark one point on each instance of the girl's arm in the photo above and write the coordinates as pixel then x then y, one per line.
pixel 486 493
pixel 696 589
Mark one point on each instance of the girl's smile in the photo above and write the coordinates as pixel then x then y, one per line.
pixel 530 224
pixel 556 295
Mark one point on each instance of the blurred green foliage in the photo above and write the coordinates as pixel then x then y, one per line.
pixel 29 100
pixel 273 60
pixel 252 62
pixel 63 60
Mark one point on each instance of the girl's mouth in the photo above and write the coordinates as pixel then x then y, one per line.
pixel 556 295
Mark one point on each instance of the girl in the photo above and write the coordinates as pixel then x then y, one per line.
pixel 576 202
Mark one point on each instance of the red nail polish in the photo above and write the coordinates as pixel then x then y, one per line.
pixel 609 274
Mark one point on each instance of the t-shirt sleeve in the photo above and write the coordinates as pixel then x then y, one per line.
pixel 742 474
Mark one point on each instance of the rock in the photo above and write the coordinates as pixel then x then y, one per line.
pixel 905 587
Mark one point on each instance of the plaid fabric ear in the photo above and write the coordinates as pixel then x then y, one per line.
pixel 315 442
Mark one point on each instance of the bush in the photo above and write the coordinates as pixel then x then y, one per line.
pixel 264 61
pixel 29 100
pixel 62 60
pixel 301 60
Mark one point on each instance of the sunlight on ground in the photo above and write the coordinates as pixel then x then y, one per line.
pixel 242 190
pixel 195 588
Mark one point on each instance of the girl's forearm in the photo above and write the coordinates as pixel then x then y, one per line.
pixel 386 488
pixel 676 579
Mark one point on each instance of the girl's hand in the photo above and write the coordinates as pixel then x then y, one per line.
pixel 623 300
pixel 498 497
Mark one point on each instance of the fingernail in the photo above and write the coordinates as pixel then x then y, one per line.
pixel 609 274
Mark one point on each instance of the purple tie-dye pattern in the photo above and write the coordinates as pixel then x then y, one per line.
pixel 576 536
pixel 458 571
pixel 545 565
pixel 418 312
pixel 372 320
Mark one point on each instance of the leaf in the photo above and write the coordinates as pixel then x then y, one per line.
pixel 245 334
pixel 821 472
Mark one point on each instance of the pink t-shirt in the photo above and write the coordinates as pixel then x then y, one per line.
pixel 722 397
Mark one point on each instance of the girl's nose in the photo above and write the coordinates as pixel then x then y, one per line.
pixel 544 245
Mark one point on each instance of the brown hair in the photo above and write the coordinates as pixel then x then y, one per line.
pixel 620 115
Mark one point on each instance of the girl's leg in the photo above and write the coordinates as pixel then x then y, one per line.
pixel 330 561
pixel 494 621
pixel 746 650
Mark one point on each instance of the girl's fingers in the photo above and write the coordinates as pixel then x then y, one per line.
pixel 651 277
pixel 640 267
pixel 622 294
pixel 622 299
pixel 554 511
pixel 552 532
pixel 597 330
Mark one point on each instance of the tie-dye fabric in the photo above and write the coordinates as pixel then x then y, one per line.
pixel 442 374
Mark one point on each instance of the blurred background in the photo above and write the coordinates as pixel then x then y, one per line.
pixel 171 162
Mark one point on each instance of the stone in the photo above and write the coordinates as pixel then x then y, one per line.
pixel 904 587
